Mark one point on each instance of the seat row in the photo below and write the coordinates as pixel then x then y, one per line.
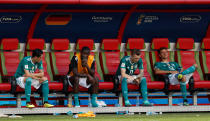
pixel 56 63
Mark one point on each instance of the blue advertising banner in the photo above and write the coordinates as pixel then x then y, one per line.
pixel 78 25
pixel 15 25
pixel 169 25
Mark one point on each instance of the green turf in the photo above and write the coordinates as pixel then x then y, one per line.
pixel 112 117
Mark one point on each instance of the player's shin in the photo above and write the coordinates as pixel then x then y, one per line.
pixel 183 90
pixel 45 90
pixel 189 70
pixel 93 100
pixel 143 86
pixel 125 91
pixel 76 100
pixel 28 89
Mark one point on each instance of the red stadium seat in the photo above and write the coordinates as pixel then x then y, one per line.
pixel 205 65
pixel 85 42
pixel 187 58
pixel 40 44
pixel 138 43
pixel 156 44
pixel 9 58
pixel 60 59
pixel 110 56
pixel 9 61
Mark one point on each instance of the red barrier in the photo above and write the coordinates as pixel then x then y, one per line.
pixel 105 2
pixel 39 1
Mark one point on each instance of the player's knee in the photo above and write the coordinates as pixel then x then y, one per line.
pixel 76 80
pixel 183 79
pixel 44 78
pixel 94 81
pixel 124 79
pixel 143 79
pixel 28 80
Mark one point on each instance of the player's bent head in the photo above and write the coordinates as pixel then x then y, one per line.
pixel 85 52
pixel 37 54
pixel 135 55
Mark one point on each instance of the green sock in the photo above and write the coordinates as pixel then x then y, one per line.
pixel 143 85
pixel 183 90
pixel 125 89
pixel 76 99
pixel 28 89
pixel 45 90
pixel 93 100
pixel 189 70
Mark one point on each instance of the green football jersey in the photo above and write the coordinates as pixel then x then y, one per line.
pixel 27 64
pixel 129 66
pixel 170 66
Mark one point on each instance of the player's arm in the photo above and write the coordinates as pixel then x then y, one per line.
pixel 91 70
pixel 74 67
pixel 158 71
pixel 123 74
pixel 75 72
pixel 28 74
pixel 41 72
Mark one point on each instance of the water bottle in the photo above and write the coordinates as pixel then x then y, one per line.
pixel 117 105
pixel 148 113
pixel 89 102
pixel 121 112
pixel 55 114
pixel 151 113
pixel 69 113
pixel 75 116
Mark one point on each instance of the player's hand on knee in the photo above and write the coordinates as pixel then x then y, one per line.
pixel 137 81
pixel 90 77
pixel 174 72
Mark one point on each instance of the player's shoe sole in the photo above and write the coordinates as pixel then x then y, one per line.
pixel 30 106
pixel 47 105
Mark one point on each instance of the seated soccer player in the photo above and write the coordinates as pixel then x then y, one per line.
pixel 26 77
pixel 82 72
pixel 125 73
pixel 172 68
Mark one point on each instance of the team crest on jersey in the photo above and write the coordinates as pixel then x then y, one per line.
pixel 123 65
pixel 26 66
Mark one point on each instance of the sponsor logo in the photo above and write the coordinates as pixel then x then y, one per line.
pixel 10 19
pixel 190 19
pixel 101 19
pixel 146 19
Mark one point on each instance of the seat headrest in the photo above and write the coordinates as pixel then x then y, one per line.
pixel 185 43
pixel 205 43
pixel 135 43
pixel 85 42
pixel 157 43
pixel 60 44
pixel 35 43
pixel 9 44
pixel 110 44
